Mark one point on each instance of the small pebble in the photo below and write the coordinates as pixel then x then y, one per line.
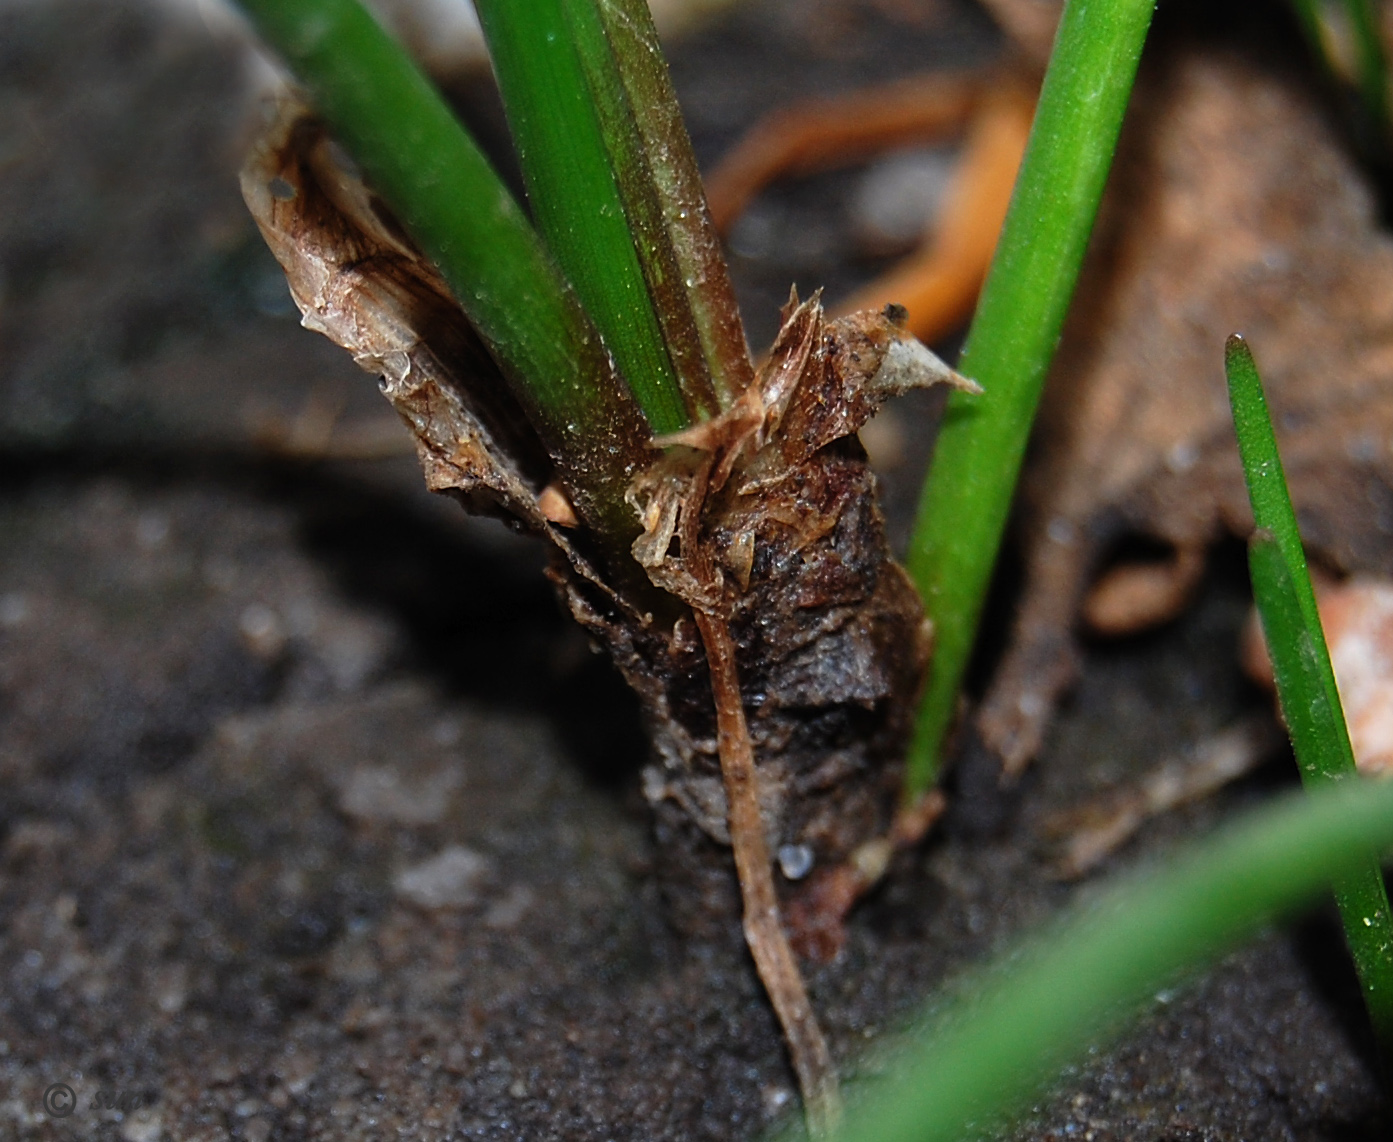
pixel 775 1099
pixel 795 861
pixel 447 732
pixel 353 647
pixel 262 632
pixel 14 609
pixel 379 794
pixel 170 988
pixel 450 879
pixel 143 1126
pixel 899 197
pixel 507 913
pixel 151 529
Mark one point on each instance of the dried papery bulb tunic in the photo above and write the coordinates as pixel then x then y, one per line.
pixel 765 517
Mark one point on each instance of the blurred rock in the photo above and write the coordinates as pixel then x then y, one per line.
pixel 381 795
pixel 453 878
pixel 897 199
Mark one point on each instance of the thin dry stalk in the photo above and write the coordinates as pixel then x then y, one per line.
pixel 764 931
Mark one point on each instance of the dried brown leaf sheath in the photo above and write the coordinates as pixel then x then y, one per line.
pixel 764 519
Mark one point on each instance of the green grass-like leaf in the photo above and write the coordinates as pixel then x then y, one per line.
pixel 639 83
pixel 1016 1022
pixel 1305 679
pixel 1367 71
pixel 967 495
pixel 638 194
pixel 574 190
pixel 1371 62
pixel 1307 14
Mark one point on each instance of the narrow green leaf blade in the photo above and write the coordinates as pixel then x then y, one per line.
pixel 1327 28
pixel 1300 664
pixel 1371 62
pixel 967 495
pixel 574 195
pixel 1262 465
pixel 629 159
pixel 1323 753
pixel 981 1056
pixel 1305 679
pixel 1297 647
pixel 681 195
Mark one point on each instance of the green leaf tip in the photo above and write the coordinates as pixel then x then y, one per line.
pixel 1305 680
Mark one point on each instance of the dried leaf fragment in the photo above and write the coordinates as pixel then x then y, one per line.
pixel 357 280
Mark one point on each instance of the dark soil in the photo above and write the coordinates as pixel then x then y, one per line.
pixel 245 702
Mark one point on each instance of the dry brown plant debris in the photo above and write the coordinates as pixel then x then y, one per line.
pixel 779 676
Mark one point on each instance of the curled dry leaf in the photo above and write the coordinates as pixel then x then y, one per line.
pixel 357 279
pixel 1232 208
pixel 763 519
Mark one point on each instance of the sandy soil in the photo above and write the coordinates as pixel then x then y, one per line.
pixel 316 818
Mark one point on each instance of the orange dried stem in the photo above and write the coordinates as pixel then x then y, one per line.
pixel 824 133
